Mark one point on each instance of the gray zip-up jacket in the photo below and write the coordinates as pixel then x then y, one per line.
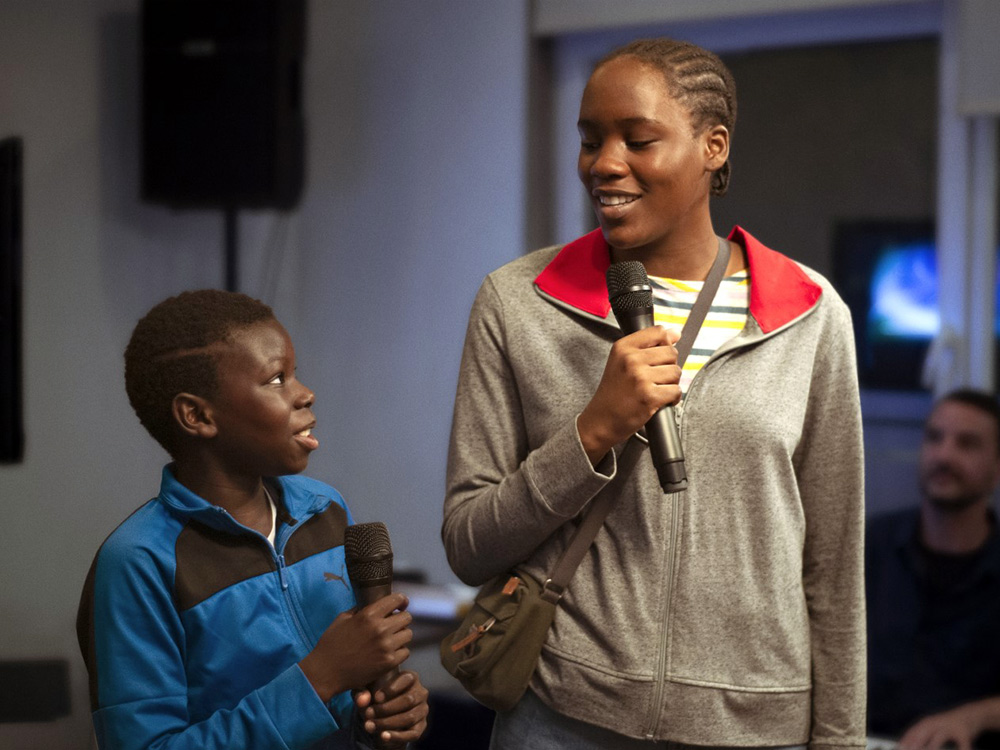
pixel 731 613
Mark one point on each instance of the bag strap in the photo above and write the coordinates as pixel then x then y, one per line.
pixel 704 301
pixel 593 519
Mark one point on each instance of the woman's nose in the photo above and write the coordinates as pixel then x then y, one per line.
pixel 607 163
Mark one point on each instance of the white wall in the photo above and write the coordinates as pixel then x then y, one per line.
pixel 93 259
pixel 417 121
pixel 415 124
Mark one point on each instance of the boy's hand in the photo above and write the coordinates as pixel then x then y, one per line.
pixel 398 713
pixel 359 646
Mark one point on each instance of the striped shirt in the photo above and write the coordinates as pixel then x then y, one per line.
pixel 672 303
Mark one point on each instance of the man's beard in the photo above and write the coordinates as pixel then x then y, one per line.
pixel 948 503
pixel 952 504
pixel 962 496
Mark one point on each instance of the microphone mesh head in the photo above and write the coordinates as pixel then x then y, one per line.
pixel 368 554
pixel 628 286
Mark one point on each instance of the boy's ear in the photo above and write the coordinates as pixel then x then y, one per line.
pixel 194 415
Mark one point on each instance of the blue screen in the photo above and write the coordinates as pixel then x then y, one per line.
pixel 904 293
pixel 887 273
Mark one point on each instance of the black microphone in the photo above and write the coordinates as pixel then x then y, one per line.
pixel 631 300
pixel 368 555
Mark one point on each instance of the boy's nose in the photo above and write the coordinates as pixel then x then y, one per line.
pixel 306 398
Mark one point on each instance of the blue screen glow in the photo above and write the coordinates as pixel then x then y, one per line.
pixel 904 293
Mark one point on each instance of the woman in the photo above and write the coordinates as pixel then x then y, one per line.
pixel 728 614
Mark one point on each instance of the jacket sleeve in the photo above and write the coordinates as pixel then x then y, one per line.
pixel 138 681
pixel 505 496
pixel 830 468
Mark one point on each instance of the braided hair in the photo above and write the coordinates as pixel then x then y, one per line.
pixel 169 353
pixel 695 77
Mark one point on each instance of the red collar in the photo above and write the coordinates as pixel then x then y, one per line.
pixel 780 291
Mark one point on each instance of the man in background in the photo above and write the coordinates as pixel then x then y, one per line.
pixel 933 589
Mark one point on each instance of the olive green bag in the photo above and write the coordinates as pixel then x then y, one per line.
pixel 493 653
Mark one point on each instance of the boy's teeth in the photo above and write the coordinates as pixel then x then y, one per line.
pixel 306 432
pixel 616 200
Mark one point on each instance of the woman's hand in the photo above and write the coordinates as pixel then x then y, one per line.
pixel 641 376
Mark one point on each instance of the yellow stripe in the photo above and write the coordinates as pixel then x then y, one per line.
pixel 663 318
pixel 680 285
pixel 737 324
pixel 709 322
pixel 690 366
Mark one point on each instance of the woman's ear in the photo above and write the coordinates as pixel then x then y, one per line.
pixel 194 415
pixel 716 147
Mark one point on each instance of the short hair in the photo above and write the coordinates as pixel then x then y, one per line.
pixel 168 353
pixel 695 77
pixel 985 402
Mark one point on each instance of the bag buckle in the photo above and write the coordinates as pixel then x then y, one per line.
pixel 552 592
pixel 475 633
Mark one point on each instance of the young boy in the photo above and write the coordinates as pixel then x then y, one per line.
pixel 219 614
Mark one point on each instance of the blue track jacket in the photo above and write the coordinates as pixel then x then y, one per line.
pixel 192 625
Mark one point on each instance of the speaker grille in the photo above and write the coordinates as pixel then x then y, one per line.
pixel 368 554
pixel 628 286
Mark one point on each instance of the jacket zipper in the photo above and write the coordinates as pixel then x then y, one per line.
pixel 279 560
pixel 656 710
pixel 289 603
pixel 661 671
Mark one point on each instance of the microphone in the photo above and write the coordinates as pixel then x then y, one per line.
pixel 368 555
pixel 631 300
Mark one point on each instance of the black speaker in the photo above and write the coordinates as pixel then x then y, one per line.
pixel 34 690
pixel 222 120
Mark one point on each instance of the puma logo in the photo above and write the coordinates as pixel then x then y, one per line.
pixel 335 577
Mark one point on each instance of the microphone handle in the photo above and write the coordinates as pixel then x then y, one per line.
pixel 661 429
pixel 665 448
pixel 369 595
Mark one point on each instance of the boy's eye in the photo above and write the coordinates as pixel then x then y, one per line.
pixel 278 379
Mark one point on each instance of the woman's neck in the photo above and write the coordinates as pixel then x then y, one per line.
pixel 682 259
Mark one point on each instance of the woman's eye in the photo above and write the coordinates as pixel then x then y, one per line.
pixel 588 146
pixel 638 144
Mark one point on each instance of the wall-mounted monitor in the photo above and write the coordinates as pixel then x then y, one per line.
pixel 886 271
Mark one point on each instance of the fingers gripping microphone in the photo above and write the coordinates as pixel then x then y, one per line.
pixel 368 555
pixel 631 300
